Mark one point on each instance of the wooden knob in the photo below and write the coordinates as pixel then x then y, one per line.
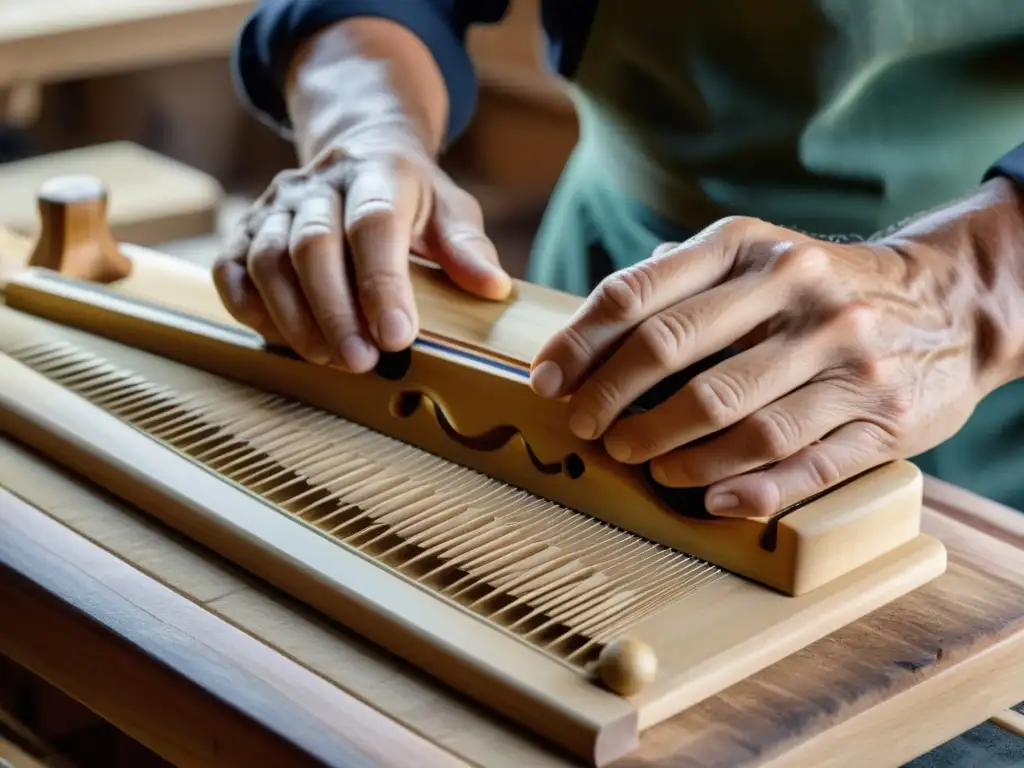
pixel 627 666
pixel 74 237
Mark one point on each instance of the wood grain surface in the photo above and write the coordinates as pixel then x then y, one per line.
pixel 48 40
pixel 904 679
pixel 46 562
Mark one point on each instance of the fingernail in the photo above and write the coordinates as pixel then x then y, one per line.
pixel 618 449
pixel 721 502
pixel 357 354
pixel 394 329
pixel 490 268
pixel 546 379
pixel 583 426
pixel 502 277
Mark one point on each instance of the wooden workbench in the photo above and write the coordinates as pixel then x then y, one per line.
pixel 44 41
pixel 208 666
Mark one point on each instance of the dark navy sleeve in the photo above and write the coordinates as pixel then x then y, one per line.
pixel 274 30
pixel 1010 165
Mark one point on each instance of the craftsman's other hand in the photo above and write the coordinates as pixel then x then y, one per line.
pixel 849 356
pixel 321 261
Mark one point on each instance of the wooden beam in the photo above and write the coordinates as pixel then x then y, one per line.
pixel 174 677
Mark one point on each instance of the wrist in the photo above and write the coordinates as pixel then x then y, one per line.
pixel 360 77
pixel 977 249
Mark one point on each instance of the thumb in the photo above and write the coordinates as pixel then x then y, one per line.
pixel 461 248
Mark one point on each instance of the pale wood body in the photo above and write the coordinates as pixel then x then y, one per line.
pixel 799 552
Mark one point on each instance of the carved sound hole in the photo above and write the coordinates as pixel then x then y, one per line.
pixel 406 404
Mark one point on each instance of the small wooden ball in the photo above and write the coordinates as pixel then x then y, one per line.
pixel 627 666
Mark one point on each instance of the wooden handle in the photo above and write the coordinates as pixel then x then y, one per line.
pixel 74 237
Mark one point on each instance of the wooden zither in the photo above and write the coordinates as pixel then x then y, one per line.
pixel 436 506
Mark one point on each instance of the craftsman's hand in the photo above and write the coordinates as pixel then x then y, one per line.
pixel 849 356
pixel 321 261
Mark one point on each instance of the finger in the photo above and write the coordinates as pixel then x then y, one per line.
pixel 850 450
pixel 237 292
pixel 240 298
pixel 271 272
pixel 769 435
pixel 237 247
pixel 673 273
pixel 672 340
pixel 317 255
pixel 721 396
pixel 380 210
pixel 463 251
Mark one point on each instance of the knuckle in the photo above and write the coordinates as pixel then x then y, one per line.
pixel 626 293
pixel 310 236
pixel 733 225
pixel 577 346
pixel 717 398
pixel 268 243
pixel 856 320
pixel 264 264
pixel 823 469
pixel 882 438
pixel 602 395
pixel 664 336
pixel 380 283
pixel 854 327
pixel 368 214
pixel 338 324
pixel 266 250
pixel 774 432
pixel 664 250
pixel 875 372
pixel 805 263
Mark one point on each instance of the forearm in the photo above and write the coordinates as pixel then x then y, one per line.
pixel 359 72
pixel 984 233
